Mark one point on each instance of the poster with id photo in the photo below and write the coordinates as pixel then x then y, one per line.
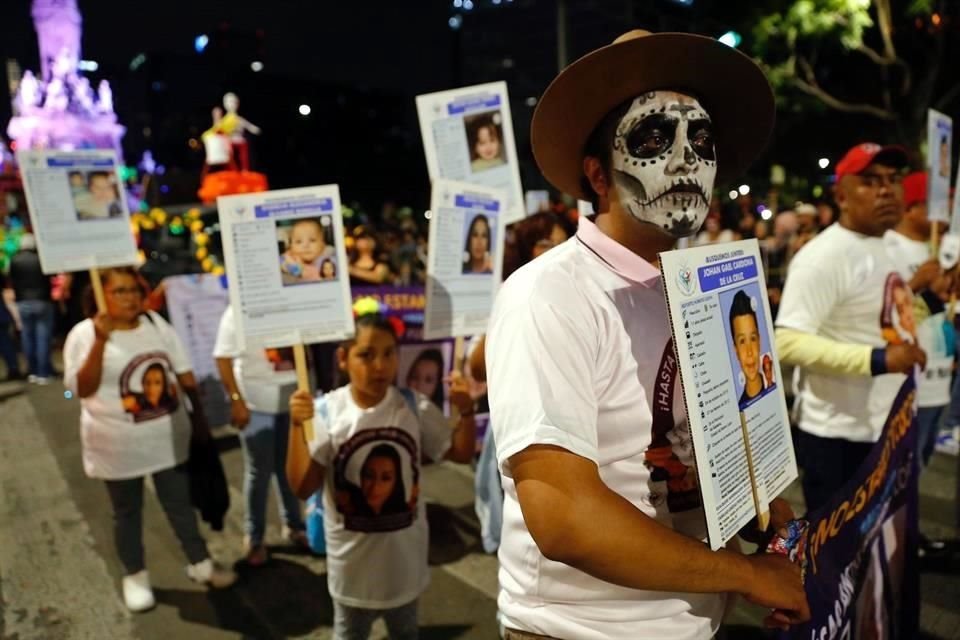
pixel 465 260
pixel 287 266
pixel 939 139
pixel 78 210
pixel 468 136
pixel 730 377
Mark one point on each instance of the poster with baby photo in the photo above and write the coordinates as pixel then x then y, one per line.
pixel 468 136
pixel 274 242
pixel 748 343
pixel 423 367
pixel 77 209
pixel 308 252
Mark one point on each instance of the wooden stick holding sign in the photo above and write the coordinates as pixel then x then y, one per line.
pixel 458 361
pixel 97 285
pixel 761 503
pixel 303 383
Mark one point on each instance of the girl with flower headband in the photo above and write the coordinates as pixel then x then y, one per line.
pixel 369 439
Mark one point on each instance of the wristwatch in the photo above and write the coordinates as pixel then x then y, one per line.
pixel 234 397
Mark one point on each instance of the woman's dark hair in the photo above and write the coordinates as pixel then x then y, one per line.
pixel 165 398
pixel 433 356
pixel 366 321
pixel 741 307
pixel 526 234
pixel 90 301
pixel 325 262
pixel 397 502
pixel 473 223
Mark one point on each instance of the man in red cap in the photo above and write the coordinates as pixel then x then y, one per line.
pixel 603 526
pixel 909 246
pixel 838 287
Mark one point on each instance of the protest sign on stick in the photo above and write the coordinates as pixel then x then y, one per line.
pixel 731 382
pixel 468 136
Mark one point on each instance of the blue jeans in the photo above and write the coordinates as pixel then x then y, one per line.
pixel 8 350
pixel 36 317
pixel 264 442
pixel 928 425
pixel 953 409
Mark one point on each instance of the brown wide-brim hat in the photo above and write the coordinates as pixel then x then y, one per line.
pixel 728 84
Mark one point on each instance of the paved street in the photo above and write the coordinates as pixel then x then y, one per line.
pixel 59 577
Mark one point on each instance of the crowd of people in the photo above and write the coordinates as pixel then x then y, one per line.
pixel 577 342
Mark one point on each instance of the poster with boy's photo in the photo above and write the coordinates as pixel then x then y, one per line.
pixel 748 343
pixel 423 366
pixel 95 195
pixel 308 252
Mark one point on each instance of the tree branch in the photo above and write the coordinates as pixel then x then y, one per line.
pixel 839 105
pixel 885 18
pixel 948 97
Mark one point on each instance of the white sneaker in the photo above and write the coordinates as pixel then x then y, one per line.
pixel 211 574
pixel 32 378
pixel 137 594
pixel 41 381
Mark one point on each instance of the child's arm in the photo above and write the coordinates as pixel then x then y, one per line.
pixel 304 474
pixel 464 440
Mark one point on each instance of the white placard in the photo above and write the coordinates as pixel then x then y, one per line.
pixel 468 136
pixel 955 215
pixel 939 139
pixel 286 265
pixel 717 299
pixel 537 201
pixel 78 209
pixel 195 303
pixel 465 260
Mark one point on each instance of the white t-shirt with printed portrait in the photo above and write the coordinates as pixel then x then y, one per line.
pixel 374 520
pixel 135 423
pixel 843 286
pixel 265 377
pixel 580 356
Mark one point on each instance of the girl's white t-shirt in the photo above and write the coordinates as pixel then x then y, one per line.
pixel 136 423
pixel 375 523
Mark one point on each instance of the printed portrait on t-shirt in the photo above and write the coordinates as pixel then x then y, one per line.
pixel 148 387
pixel 748 344
pixel 898 324
pixel 673 481
pixel 377 480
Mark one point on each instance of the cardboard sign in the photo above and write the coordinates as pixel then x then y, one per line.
pixel 468 136
pixel 78 209
pixel 287 266
pixel 465 260
pixel 731 381
pixel 939 139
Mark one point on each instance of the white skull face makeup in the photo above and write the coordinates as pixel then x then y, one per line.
pixel 664 162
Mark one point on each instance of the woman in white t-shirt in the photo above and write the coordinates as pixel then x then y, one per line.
pixel 128 368
pixel 369 439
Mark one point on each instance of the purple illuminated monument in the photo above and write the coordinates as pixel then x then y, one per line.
pixel 60 109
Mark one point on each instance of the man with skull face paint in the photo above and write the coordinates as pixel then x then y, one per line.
pixel 583 375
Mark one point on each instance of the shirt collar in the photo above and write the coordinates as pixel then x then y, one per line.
pixel 617 257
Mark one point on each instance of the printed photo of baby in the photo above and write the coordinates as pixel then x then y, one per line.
pixel 485 141
pixel 307 250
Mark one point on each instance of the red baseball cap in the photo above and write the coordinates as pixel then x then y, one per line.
pixel 863 155
pixel 914 188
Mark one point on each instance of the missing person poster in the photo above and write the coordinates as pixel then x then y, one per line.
pixel 717 299
pixel 287 265
pixel 939 139
pixel 195 303
pixel 465 259
pixel 468 136
pixel 78 210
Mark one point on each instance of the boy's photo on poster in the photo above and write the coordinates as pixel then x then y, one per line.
pixel 307 250
pixel 485 140
pixel 748 343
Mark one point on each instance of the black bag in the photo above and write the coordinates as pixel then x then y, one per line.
pixel 209 493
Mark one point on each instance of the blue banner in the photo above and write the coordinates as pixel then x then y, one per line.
pixel 862 578
pixel 723 274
